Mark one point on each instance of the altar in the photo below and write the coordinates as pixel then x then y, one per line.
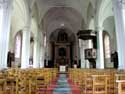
pixel 62 68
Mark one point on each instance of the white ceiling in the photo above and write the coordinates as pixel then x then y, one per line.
pixel 72 13
pixel 50 14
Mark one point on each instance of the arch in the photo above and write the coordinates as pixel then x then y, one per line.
pixel 19 20
pixel 104 6
pixel 21 14
pixel 109 27
pixel 106 39
pixel 31 59
pixel 18 49
pixel 56 10
pixel 68 16
pixel 107 48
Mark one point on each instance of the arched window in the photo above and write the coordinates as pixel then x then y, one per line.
pixel 18 44
pixel 31 50
pixel 107 45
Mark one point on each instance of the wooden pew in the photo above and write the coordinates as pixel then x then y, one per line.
pixel 121 86
pixel 99 84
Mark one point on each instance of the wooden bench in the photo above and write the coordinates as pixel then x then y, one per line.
pixel 121 86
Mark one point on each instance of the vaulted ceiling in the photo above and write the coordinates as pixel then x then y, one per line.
pixel 72 14
pixel 49 15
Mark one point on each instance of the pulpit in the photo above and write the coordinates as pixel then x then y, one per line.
pixel 90 53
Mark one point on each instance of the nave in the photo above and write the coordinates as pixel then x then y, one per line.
pixel 86 37
pixel 51 81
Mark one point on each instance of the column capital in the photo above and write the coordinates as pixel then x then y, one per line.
pixel 99 28
pixel 26 28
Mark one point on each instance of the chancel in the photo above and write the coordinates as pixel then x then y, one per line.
pixel 62 47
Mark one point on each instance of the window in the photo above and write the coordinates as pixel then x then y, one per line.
pixel 18 45
pixel 31 50
pixel 107 45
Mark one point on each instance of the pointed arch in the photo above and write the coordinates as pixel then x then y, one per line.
pixel 104 6
pixel 18 48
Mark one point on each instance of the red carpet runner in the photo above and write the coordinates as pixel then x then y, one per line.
pixel 57 88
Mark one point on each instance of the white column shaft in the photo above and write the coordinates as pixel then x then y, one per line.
pixel 100 50
pixel 82 58
pixel 36 63
pixel 42 57
pixel 25 49
pixel 5 13
pixel 119 11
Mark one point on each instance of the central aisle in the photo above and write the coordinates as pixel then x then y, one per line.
pixel 62 86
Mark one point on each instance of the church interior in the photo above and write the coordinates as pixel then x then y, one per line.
pixel 62 47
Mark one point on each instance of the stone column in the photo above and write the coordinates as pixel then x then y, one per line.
pixel 100 49
pixel 25 48
pixel 35 55
pixel 37 51
pixel 42 56
pixel 119 12
pixel 42 51
pixel 5 15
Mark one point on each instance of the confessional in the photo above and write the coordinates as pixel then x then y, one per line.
pixel 10 59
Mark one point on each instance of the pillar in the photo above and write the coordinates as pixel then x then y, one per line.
pixel 42 50
pixel 5 15
pixel 119 12
pixel 100 49
pixel 25 48
pixel 42 56
pixel 35 55
pixel 37 51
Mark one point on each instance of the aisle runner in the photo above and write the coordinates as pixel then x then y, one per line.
pixel 62 86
